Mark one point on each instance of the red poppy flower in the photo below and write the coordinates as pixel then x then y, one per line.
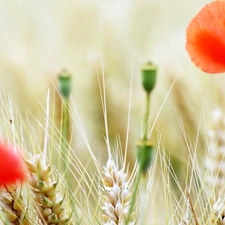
pixel 206 38
pixel 12 168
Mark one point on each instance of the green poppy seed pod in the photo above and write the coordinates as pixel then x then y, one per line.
pixel 149 73
pixel 144 155
pixel 64 84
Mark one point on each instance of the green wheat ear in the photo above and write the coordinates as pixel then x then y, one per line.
pixel 48 202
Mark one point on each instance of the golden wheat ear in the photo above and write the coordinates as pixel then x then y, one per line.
pixel 215 159
pixel 13 206
pixel 215 165
pixel 117 194
pixel 48 202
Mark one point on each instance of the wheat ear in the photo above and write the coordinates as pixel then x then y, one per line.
pixel 216 165
pixel 215 160
pixel 117 195
pixel 12 205
pixel 48 202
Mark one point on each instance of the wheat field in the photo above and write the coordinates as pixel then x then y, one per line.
pixel 81 151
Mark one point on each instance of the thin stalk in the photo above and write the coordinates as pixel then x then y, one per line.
pixel 65 135
pixel 146 118
pixel 134 197
pixel 65 90
pixel 143 192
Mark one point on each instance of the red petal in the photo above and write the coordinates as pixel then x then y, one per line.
pixel 206 38
pixel 11 166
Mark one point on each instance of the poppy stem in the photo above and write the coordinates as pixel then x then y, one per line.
pixel 65 89
pixel 134 196
pixel 146 118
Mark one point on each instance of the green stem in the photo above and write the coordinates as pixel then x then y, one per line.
pixel 145 138
pixel 134 196
pixel 65 134
pixel 143 191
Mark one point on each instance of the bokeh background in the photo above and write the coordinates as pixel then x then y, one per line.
pixel 40 38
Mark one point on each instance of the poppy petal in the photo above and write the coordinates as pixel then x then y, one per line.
pixel 205 38
pixel 11 165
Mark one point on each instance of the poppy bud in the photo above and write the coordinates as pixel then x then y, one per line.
pixel 144 155
pixel 148 72
pixel 65 84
